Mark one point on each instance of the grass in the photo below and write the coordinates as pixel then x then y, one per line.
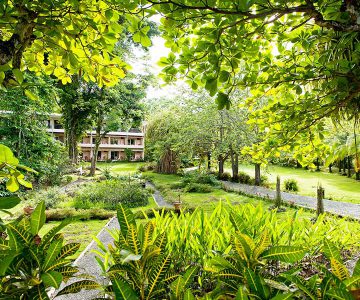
pixel 121 168
pixel 77 232
pixel 337 187
pixel 208 201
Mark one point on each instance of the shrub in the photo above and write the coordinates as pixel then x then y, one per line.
pixel 244 178
pixel 291 185
pixel 152 212
pixel 198 188
pixel 52 197
pixel 33 263
pixel 59 214
pixel 177 185
pixel 226 176
pixel 108 194
pixel 200 177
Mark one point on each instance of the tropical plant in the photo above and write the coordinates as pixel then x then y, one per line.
pixel 243 269
pixel 291 185
pixel 32 264
pixel 140 265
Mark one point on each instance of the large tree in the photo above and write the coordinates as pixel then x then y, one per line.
pixel 303 54
pixel 65 37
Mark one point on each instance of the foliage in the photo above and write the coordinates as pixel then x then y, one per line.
pixel 129 154
pixel 200 177
pixel 58 214
pixel 225 176
pixel 38 36
pixel 30 264
pixel 244 178
pixel 291 185
pixel 198 188
pixel 140 265
pixel 23 128
pixel 110 193
pixel 234 250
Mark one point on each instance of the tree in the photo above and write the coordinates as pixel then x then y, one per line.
pixel 304 54
pixel 23 128
pixel 67 37
pixel 117 108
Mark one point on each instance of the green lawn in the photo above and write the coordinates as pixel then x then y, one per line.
pixel 121 168
pixel 337 187
pixel 78 232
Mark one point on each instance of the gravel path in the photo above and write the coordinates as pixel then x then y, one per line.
pixel 86 261
pixel 344 209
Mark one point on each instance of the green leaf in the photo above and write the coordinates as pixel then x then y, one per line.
pixel 12 184
pixel 356 271
pixel 6 156
pixel 52 279
pixel 38 218
pixel 52 253
pixel 48 236
pixel 19 76
pixel 211 86
pixel 9 202
pixel 188 295
pixel 224 76
pixel 222 100
pixel 18 237
pixel 125 218
pixel 158 273
pixel 78 286
pixel 331 251
pixel 256 284
pixel 287 254
pixel 283 296
pixel 68 250
pixel 241 294
pixel 31 95
pixel 6 261
pixel 123 290
pixel 189 276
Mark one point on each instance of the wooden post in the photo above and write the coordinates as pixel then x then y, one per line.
pixel 278 192
pixel 320 202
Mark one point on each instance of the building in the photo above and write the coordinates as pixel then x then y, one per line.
pixel 112 146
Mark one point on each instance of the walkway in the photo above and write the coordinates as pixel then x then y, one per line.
pixel 344 209
pixel 86 261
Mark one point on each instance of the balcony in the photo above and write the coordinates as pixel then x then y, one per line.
pixel 112 146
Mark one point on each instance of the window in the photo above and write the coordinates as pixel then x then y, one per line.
pixel 114 141
pixel 131 141
pixel 114 155
pixel 93 140
pixel 57 124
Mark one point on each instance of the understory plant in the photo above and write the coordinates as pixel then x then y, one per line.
pixel 32 264
pixel 240 252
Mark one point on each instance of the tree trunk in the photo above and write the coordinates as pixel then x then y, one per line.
pixel 168 163
pixel 340 166
pixel 357 175
pixel 278 192
pixel 349 166
pixel 257 175
pixel 330 168
pixel 72 145
pixel 320 202
pixel 298 165
pixel 235 164
pixel 98 137
pixel 221 161
pixel 209 161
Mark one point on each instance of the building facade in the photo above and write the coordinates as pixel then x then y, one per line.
pixel 112 146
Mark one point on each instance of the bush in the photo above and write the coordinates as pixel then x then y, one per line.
pixel 199 177
pixel 198 188
pixel 59 214
pixel 291 185
pixel 177 185
pixel 52 197
pixel 244 178
pixel 226 176
pixel 108 194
